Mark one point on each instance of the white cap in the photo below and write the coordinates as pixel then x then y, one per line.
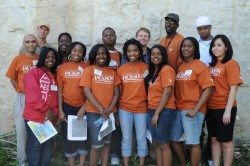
pixel 203 20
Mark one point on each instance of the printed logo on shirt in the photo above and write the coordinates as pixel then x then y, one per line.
pixel 27 68
pixel 104 79
pixel 44 86
pixel 215 71
pixel 183 75
pixel 171 49
pixel 132 77
pixel 72 74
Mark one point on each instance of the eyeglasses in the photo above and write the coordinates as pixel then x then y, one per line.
pixel 171 22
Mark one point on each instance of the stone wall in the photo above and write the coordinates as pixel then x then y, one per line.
pixel 85 20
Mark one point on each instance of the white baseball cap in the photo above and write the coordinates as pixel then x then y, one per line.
pixel 203 20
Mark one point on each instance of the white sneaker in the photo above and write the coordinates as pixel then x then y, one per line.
pixel 210 162
pixel 115 161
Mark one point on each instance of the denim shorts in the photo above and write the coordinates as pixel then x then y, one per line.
pixel 94 131
pixel 162 133
pixel 72 148
pixel 190 126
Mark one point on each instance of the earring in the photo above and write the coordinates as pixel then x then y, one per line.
pixel 69 57
pixel 83 59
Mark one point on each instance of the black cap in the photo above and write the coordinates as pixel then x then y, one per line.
pixel 173 16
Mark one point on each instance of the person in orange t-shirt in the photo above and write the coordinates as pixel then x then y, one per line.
pixel 18 68
pixel 161 103
pixel 109 41
pixel 193 87
pixel 71 99
pixel 172 41
pixel 132 103
pixel 101 89
pixel 222 107
pixel 64 41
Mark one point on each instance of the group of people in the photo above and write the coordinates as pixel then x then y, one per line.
pixel 169 89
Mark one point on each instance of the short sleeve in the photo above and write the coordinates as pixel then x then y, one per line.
pixel 59 77
pixel 12 72
pixel 233 73
pixel 117 80
pixel 167 77
pixel 86 78
pixel 204 78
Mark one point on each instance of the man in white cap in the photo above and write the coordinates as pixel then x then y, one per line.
pixel 42 33
pixel 204 26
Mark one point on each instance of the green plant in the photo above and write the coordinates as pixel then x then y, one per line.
pixel 134 160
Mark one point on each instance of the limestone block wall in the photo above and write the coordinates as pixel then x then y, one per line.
pixel 85 20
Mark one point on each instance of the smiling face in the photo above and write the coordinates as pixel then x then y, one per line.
pixel 63 43
pixel 101 57
pixel 188 49
pixel 143 37
pixel 30 43
pixel 133 53
pixel 77 53
pixel 50 61
pixel 219 49
pixel 156 56
pixel 42 32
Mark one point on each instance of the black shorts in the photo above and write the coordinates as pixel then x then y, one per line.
pixel 216 127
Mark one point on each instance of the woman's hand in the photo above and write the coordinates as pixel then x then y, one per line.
pixel 155 119
pixel 61 115
pixel 191 113
pixel 81 113
pixel 226 117
pixel 50 115
pixel 106 113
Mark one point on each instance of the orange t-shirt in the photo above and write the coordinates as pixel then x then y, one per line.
pixel 19 67
pixel 102 81
pixel 133 98
pixel 224 76
pixel 114 59
pixel 172 46
pixel 191 79
pixel 68 77
pixel 166 78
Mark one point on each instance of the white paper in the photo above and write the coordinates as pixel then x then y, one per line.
pixel 107 127
pixel 80 69
pixel 53 88
pixel 98 72
pixel 145 73
pixel 149 136
pixel 183 137
pixel 34 62
pixel 43 132
pixel 188 72
pixel 112 63
pixel 77 129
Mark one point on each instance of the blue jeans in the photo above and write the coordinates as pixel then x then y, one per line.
pixel 127 120
pixel 190 126
pixel 162 133
pixel 37 154
pixel 94 131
